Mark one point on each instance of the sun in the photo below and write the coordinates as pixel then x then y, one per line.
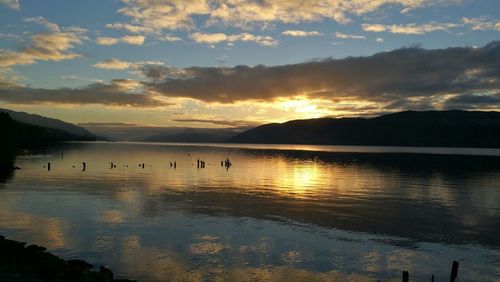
pixel 303 107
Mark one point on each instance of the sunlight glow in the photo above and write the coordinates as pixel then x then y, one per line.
pixel 303 107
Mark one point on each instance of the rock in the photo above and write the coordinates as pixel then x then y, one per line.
pixel 36 249
pixel 10 247
pixel 34 264
pixel 79 264
pixel 106 273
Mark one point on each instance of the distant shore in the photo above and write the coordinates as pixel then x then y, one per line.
pixel 33 263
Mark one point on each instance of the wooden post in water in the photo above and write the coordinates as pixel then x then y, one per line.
pixel 406 276
pixel 432 278
pixel 454 271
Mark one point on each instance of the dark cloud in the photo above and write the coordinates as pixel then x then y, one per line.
pixel 118 93
pixel 407 78
pixel 386 77
pixel 473 101
pixel 157 72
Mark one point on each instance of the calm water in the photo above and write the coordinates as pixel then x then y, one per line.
pixel 285 213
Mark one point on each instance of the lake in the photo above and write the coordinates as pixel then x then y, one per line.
pixel 280 212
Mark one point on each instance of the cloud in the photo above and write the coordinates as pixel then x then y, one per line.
pixel 43 47
pixel 155 16
pixel 301 33
pixel 133 39
pixel 348 36
pixel 214 38
pixel 72 77
pixel 159 15
pixel 158 72
pixel 106 41
pixel 130 28
pixel 209 38
pixel 481 23
pixel 44 22
pixel 12 4
pixel 116 64
pixel 474 101
pixel 170 38
pixel 404 75
pixel 411 28
pixel 120 92
pixel 7 74
pixel 53 46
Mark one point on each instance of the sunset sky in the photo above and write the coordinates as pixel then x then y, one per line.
pixel 219 63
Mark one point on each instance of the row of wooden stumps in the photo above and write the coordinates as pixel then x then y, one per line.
pixel 453 275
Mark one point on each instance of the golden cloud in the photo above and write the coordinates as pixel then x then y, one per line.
pixel 154 16
pixel 301 33
pixel 106 41
pixel 214 38
pixel 411 28
pixel 43 47
pixel 133 39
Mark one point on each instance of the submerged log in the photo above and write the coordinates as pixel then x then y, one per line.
pixel 406 276
pixel 454 271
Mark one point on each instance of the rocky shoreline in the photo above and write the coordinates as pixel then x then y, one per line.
pixel 32 263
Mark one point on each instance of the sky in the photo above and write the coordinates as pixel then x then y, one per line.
pixel 219 63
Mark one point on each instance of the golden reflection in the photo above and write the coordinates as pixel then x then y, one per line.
pixel 50 232
pixel 113 217
pixel 293 257
pixel 154 263
pixel 291 274
pixel 207 246
pixel 372 261
pixel 164 265
pixel 301 177
pixel 129 183
pixel 104 242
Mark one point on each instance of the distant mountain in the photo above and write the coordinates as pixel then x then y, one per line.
pixel 135 132
pixel 198 135
pixel 48 123
pixel 410 128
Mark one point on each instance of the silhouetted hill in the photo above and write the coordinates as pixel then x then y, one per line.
pixel 17 135
pixel 48 123
pixel 410 128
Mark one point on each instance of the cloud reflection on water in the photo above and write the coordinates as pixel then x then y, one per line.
pixel 274 215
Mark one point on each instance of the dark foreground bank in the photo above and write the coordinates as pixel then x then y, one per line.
pixel 34 264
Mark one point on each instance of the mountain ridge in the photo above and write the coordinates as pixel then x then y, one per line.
pixel 453 128
pixel 47 122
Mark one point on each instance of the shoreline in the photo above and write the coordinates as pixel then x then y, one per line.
pixel 33 263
